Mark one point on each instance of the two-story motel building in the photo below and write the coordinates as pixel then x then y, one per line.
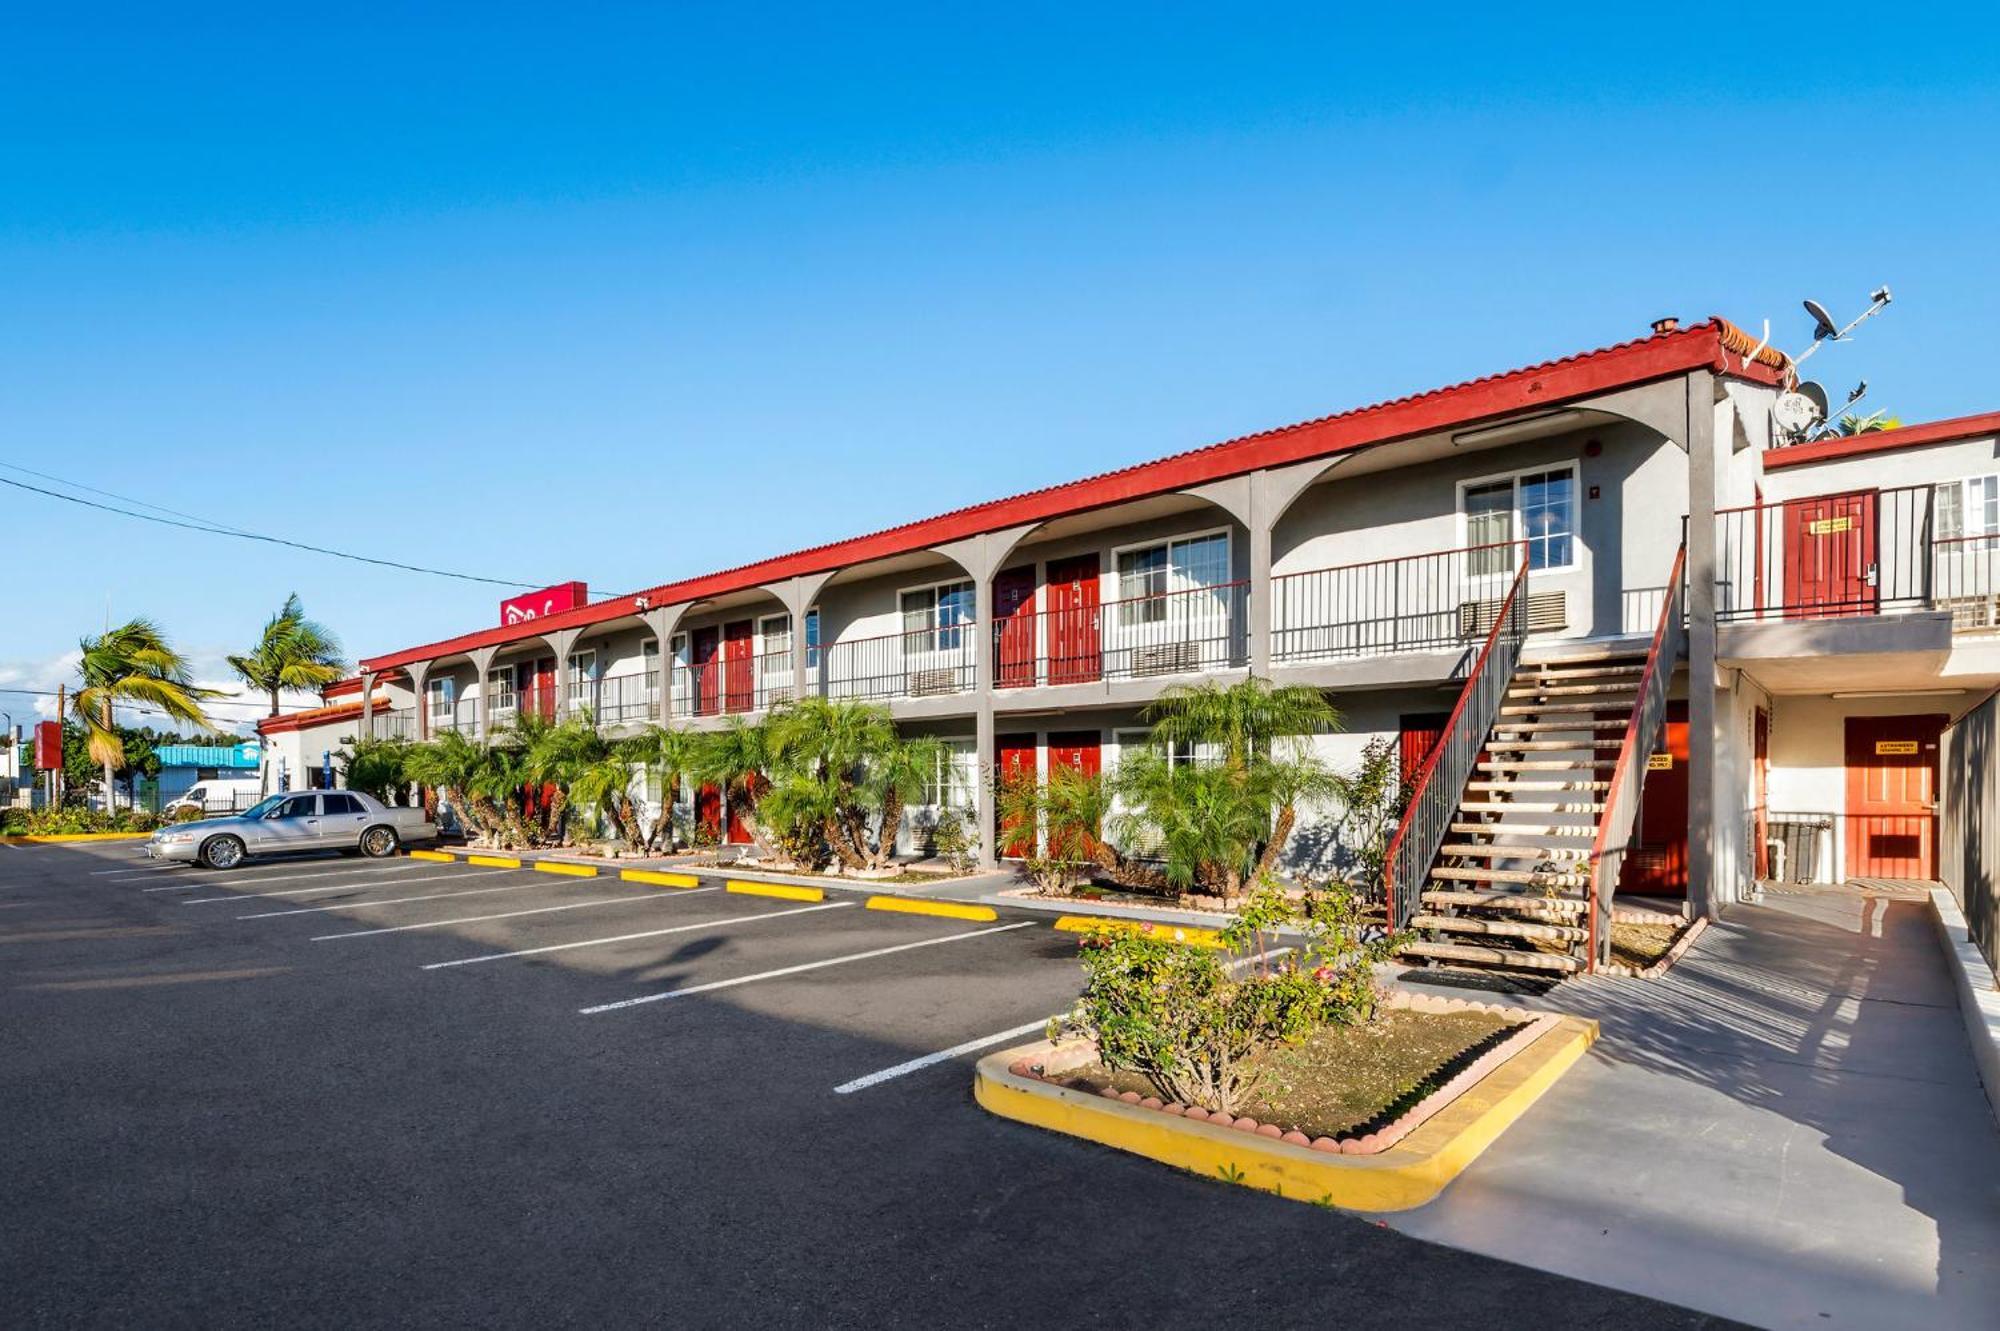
pixel 1767 639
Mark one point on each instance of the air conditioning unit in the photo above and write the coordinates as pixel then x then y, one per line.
pixel 1548 612
pixel 926 683
pixel 1972 614
pixel 1166 658
pixel 778 695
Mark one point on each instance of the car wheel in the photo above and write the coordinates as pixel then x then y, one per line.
pixel 223 852
pixel 378 842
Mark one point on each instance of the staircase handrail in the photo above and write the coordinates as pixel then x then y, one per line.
pixel 1642 728
pixel 1434 795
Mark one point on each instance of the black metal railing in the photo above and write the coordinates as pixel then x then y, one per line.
pixel 628 699
pixel 1169 633
pixel 1439 783
pixel 1642 730
pixel 919 663
pixel 1860 552
pixel 1428 602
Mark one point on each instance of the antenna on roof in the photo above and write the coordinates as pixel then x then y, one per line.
pixel 1826 330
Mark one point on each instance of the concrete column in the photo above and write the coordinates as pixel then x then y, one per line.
pixel 1704 722
pixel 983 556
pixel 663 621
pixel 419 672
pixel 561 642
pixel 482 670
pixel 797 595
pixel 1260 616
pixel 367 705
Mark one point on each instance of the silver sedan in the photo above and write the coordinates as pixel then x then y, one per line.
pixel 343 820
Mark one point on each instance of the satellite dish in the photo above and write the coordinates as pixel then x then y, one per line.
pixel 1796 413
pixel 1821 403
pixel 1824 325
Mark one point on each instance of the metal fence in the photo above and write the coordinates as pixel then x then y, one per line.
pixel 1969 821
pixel 1171 633
pixel 1860 552
pixel 1428 602
pixel 917 664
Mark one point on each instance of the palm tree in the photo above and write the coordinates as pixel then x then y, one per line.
pixel 738 759
pixel 896 774
pixel 1241 718
pixel 602 780
pixel 460 767
pixel 293 653
pixel 132 663
pixel 668 755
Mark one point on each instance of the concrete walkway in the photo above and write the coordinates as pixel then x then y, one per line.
pixel 1786 1129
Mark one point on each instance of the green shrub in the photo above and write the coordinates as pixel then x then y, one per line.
pixel 1180 1018
pixel 189 813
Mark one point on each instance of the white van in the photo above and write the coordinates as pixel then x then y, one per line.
pixel 218 794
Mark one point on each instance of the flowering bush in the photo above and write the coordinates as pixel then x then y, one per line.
pixel 1184 1020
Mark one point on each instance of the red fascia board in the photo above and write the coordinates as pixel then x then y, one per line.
pixel 1537 386
pixel 342 687
pixel 1883 441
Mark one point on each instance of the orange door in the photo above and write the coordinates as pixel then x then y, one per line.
pixel 1015 757
pixel 708 809
pixel 1076 648
pixel 1892 795
pixel 1830 556
pixel 1657 863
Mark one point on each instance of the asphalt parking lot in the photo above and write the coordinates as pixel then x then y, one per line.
pixel 330 1092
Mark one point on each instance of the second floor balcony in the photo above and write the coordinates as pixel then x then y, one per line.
pixel 1442 601
pixel 1079 640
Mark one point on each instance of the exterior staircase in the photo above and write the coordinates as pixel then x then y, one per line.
pixel 1510 847
pixel 1511 888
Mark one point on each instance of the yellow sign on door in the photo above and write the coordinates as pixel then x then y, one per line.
pixel 1895 746
pixel 1830 526
pixel 1660 762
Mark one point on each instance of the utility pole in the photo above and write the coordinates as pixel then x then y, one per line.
pixel 56 772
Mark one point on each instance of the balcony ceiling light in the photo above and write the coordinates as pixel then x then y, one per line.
pixel 1526 427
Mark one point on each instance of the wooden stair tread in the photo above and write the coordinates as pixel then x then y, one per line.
pixel 1499 851
pixel 1462 924
pixel 1529 727
pixel 1477 784
pixel 1537 765
pixel 1590 670
pixel 1493 956
pixel 1526 877
pixel 1552 745
pixel 1563 709
pixel 1499 899
pixel 1531 806
pixel 1554 831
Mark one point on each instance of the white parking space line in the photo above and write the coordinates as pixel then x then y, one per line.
pixel 188 886
pixel 277 873
pixel 794 970
pixel 942 1055
pixel 363 881
pixel 391 901
pixel 626 938
pixel 504 915
pixel 132 873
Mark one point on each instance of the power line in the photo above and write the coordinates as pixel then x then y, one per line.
pixel 210 702
pixel 126 499
pixel 213 530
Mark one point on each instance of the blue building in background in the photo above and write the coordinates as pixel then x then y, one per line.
pixel 182 765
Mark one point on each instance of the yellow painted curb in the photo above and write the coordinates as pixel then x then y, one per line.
pixel 658 879
pixel 494 861
pixel 573 870
pixel 1408 1174
pixel 1088 924
pixel 952 910
pixel 783 891
pixel 433 855
pixel 62 838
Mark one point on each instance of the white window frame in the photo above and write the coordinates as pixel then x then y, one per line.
pixel 813 645
pixel 1988 525
pixel 441 689
pixel 1175 610
pixel 782 637
pixel 649 665
pixel 586 678
pixel 502 682
pixel 1519 528
pixel 965 629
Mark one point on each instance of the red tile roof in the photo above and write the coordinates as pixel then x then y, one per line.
pixel 317 716
pixel 1716 345
pixel 1884 441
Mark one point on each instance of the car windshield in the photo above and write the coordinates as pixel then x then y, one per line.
pixel 262 807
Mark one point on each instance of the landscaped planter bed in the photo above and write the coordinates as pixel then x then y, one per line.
pixel 1401 1145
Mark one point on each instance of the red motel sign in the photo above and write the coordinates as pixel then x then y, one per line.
pixel 540 605
pixel 48 746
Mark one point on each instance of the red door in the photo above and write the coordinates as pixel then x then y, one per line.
pixel 1078 751
pixel 704 647
pixel 1830 556
pixel 1760 793
pixel 708 809
pixel 542 687
pixel 739 694
pixel 1420 733
pixel 738 833
pixel 1015 758
pixel 1656 865
pixel 1014 612
pixel 1076 647
pixel 1892 795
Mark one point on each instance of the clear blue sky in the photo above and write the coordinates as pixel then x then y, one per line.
pixel 634 295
